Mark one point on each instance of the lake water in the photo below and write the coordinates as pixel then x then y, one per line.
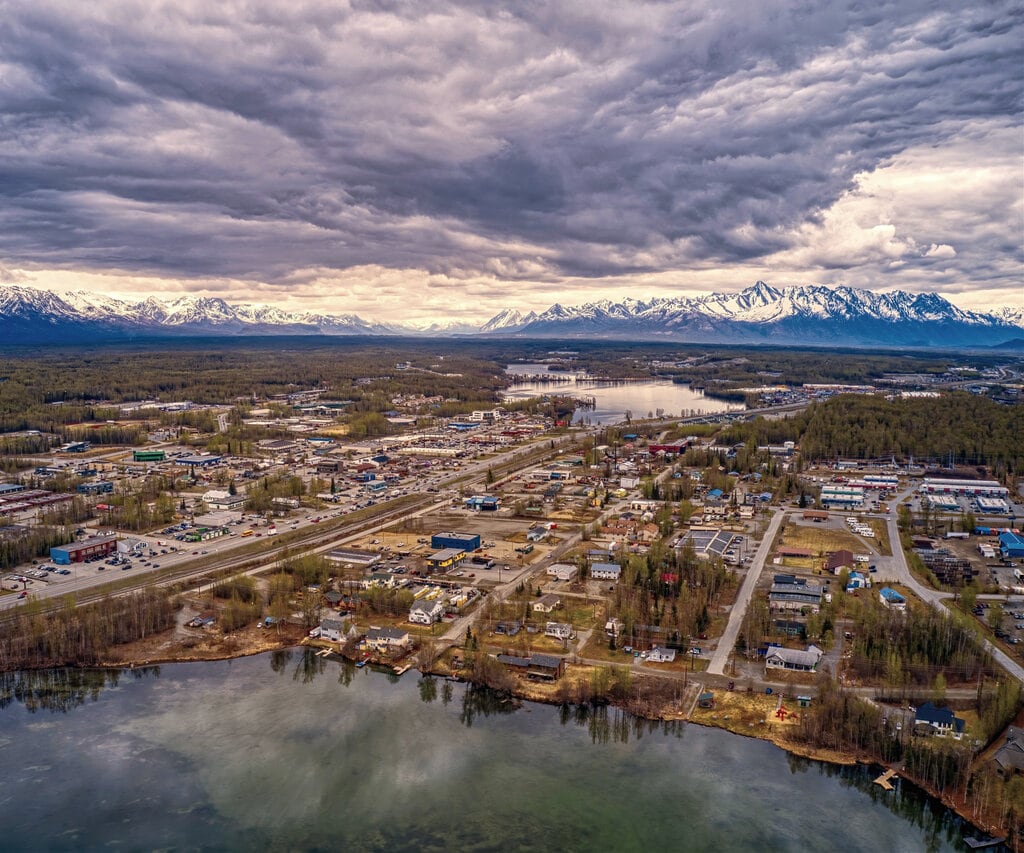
pixel 288 751
pixel 613 400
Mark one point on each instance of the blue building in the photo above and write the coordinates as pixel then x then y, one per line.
pixel 100 488
pixel 1011 545
pixel 461 541
pixel 482 503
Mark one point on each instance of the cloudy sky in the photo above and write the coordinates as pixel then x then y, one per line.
pixel 441 161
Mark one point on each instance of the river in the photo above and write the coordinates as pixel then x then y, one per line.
pixel 288 751
pixel 614 399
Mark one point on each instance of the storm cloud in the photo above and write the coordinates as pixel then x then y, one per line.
pixel 349 155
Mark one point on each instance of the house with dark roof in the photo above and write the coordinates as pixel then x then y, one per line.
pixel 930 719
pixel 1009 758
pixel 798 660
pixel 839 560
pixel 387 638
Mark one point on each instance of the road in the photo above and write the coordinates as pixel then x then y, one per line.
pixel 732 630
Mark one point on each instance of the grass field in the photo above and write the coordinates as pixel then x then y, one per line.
pixel 819 540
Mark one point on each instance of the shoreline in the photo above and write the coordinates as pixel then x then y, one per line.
pixel 522 692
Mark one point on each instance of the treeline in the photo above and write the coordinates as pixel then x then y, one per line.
pixel 672 589
pixel 912 649
pixel 34 542
pixel 974 430
pixel 81 636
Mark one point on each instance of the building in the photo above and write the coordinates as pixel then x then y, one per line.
pixel 353 557
pixel 559 630
pixel 203 460
pixel 563 571
pixel 606 571
pixel 332 629
pixel 536 667
pixel 938 721
pixel 99 488
pixel 796 660
pixel 426 611
pixel 460 541
pixel 76 552
pixel 839 560
pixel 148 455
pixel 837 496
pixel 1011 545
pixel 446 558
pixel 815 515
pixel 892 599
pixel 381 639
pixel 660 655
pixel 1009 758
pixel 546 603
pixel 857 581
pixel 223 500
pixel 791 593
pixel 972 488
pixel 483 503
pixel 536 534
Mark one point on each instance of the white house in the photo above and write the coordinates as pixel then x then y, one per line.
pixel 793 659
pixel 426 611
pixel 559 630
pixel 386 638
pixel 546 603
pixel 660 655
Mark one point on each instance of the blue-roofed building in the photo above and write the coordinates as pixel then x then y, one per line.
pixel 1011 545
pixel 892 599
pixel 462 541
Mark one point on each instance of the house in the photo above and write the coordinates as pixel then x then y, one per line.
pixel 559 630
pixel 660 655
pixel 1009 758
pixel 563 571
pixel 381 639
pixel 892 599
pixel 331 629
pixel 333 598
pixel 797 660
pixel 536 534
pixel 606 571
pixel 857 581
pixel 509 629
pixel 839 560
pixel 546 603
pixel 939 721
pixel 613 627
pixel 537 667
pixel 426 611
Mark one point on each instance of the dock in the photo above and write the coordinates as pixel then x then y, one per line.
pixel 983 843
pixel 883 780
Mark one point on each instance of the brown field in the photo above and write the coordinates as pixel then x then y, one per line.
pixel 820 540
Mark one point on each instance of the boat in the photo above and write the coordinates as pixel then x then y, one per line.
pixel 361 663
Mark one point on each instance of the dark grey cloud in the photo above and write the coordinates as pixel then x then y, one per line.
pixel 549 140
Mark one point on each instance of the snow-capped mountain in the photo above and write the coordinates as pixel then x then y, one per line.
pixel 841 316
pixel 815 315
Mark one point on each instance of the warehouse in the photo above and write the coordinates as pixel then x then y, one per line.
pixel 97 488
pixel 76 552
pixel 835 496
pixel 202 461
pixel 460 541
pixel 1011 545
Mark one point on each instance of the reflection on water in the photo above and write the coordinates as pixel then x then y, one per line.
pixel 292 751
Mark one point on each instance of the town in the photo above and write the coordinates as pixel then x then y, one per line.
pixel 730 569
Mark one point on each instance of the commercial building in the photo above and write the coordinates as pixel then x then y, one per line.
pixel 972 488
pixel 76 552
pixel 148 455
pixel 446 558
pixel 563 571
pixel 1011 545
pixel 483 503
pixel 462 541
pixel 99 488
pixel 204 460
pixel 837 496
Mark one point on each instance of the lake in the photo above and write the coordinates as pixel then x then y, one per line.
pixel 614 399
pixel 287 751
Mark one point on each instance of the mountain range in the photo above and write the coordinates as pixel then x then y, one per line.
pixel 761 314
